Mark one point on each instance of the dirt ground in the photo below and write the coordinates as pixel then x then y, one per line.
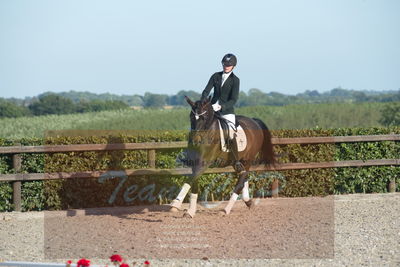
pixel 301 228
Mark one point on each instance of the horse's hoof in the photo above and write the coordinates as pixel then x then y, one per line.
pixel 174 209
pixel 175 206
pixel 222 213
pixel 188 215
pixel 249 204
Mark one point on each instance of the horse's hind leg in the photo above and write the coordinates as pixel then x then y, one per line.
pixel 246 196
pixel 240 185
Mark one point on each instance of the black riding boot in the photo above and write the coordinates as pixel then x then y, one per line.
pixel 238 166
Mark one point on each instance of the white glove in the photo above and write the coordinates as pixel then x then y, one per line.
pixel 216 107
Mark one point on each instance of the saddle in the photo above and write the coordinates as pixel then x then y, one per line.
pixel 226 127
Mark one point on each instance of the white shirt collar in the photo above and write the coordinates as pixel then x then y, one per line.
pixel 225 77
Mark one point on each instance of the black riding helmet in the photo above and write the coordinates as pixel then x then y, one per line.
pixel 229 60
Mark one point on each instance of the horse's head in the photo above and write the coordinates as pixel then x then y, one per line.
pixel 201 115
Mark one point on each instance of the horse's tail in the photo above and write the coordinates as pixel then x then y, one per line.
pixel 267 152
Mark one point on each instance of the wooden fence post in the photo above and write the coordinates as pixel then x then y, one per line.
pixel 392 185
pixel 17 165
pixel 275 188
pixel 151 158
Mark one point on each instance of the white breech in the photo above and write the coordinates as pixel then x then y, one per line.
pixel 232 119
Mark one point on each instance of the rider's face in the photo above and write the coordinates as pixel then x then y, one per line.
pixel 227 68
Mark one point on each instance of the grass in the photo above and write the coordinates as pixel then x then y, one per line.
pixel 335 115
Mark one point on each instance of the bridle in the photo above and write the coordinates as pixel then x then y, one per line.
pixel 197 115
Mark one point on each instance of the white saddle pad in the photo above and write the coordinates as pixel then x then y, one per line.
pixel 240 138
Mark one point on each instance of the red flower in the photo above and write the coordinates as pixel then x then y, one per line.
pixel 83 263
pixel 124 265
pixel 116 258
pixel 69 262
pixel 146 263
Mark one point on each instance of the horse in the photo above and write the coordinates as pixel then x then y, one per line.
pixel 204 148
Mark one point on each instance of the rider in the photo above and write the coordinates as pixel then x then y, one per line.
pixel 226 93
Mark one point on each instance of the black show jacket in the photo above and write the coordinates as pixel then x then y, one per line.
pixel 227 94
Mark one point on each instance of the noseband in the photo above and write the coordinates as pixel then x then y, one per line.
pixel 196 115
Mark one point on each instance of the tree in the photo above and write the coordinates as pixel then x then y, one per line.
pixel 360 96
pixel 313 93
pixel 52 104
pixel 277 99
pixel 242 99
pixel 179 98
pixel 154 100
pixel 100 105
pixel 134 100
pixel 391 114
pixel 11 110
pixel 340 92
pixel 255 97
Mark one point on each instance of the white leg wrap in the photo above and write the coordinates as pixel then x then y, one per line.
pixel 231 202
pixel 177 203
pixel 192 205
pixel 245 192
pixel 182 194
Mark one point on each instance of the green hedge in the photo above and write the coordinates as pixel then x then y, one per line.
pixel 117 191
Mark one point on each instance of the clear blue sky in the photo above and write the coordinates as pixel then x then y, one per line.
pixel 132 47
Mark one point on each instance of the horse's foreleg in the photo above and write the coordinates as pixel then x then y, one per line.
pixel 193 199
pixel 177 202
pixel 240 185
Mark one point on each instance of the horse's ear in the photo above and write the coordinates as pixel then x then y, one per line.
pixel 190 102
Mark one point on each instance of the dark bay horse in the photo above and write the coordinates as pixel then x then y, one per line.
pixel 204 149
